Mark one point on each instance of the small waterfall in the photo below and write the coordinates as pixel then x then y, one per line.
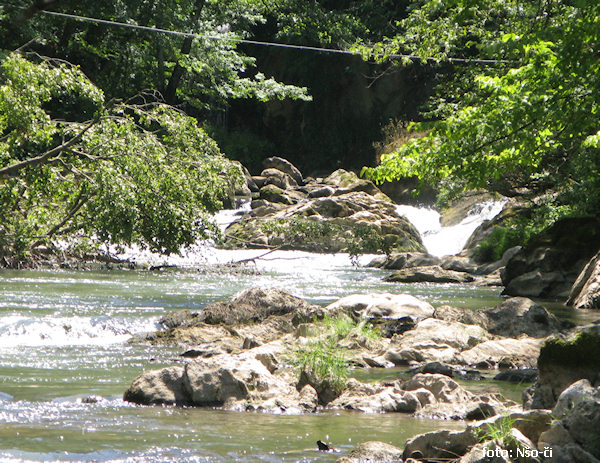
pixel 444 241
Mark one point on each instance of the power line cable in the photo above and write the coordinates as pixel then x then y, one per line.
pixel 265 44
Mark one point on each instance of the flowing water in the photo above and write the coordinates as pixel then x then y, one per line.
pixel 443 241
pixel 65 361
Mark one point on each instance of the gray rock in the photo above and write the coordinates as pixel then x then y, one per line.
pixel 519 315
pixel 373 452
pixel 284 166
pixel 444 389
pixel 459 264
pixel 159 387
pixel 563 361
pixel 349 181
pixel 435 340
pixel 278 178
pixel 489 452
pixel 573 395
pixel 210 384
pixel 551 262
pixel 255 305
pixel 585 293
pixel 525 375
pixel 385 305
pixel 275 194
pixel 432 274
pixel 321 192
pixel 401 260
pixel 354 221
pixel 513 353
pixel 439 445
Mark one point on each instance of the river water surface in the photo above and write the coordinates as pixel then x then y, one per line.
pixel 65 362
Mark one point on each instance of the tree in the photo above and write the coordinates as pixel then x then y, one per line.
pixel 203 72
pixel 134 171
pixel 530 119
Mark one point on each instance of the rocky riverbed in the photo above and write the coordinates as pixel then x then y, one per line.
pixel 240 355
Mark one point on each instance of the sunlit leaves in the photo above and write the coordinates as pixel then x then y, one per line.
pixel 137 173
pixel 530 118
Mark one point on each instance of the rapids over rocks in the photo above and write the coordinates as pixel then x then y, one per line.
pixel 65 361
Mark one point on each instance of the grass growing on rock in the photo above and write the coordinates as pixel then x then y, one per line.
pixel 323 358
pixel 499 432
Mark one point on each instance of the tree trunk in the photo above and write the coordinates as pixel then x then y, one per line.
pixel 178 72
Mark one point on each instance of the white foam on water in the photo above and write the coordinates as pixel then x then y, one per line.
pixel 16 330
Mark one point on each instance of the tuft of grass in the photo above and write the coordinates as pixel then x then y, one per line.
pixel 499 432
pixel 323 358
pixel 325 361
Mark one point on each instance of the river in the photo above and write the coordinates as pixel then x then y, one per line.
pixel 65 361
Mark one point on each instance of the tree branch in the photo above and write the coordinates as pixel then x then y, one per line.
pixel 81 199
pixel 46 157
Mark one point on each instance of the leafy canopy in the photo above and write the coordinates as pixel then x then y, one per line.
pixel 529 120
pixel 125 172
pixel 202 72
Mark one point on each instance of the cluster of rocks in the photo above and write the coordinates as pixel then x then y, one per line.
pixel 560 425
pixel 236 354
pixel 418 267
pixel 341 212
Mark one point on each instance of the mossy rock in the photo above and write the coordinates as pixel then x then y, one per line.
pixel 583 350
pixel 563 361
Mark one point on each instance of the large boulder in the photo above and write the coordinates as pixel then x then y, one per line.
pixel 574 435
pixel 159 387
pixel 234 382
pixel 401 260
pixel 351 222
pixel 255 305
pixel 346 181
pixel 585 293
pixel 512 353
pixel 285 166
pixel 550 263
pixel 278 178
pixel 435 340
pixel 393 306
pixel 563 361
pixel 376 398
pixel 431 274
pixel 439 445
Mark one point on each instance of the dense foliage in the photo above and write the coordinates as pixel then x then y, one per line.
pixel 527 122
pixel 134 171
pixel 204 71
